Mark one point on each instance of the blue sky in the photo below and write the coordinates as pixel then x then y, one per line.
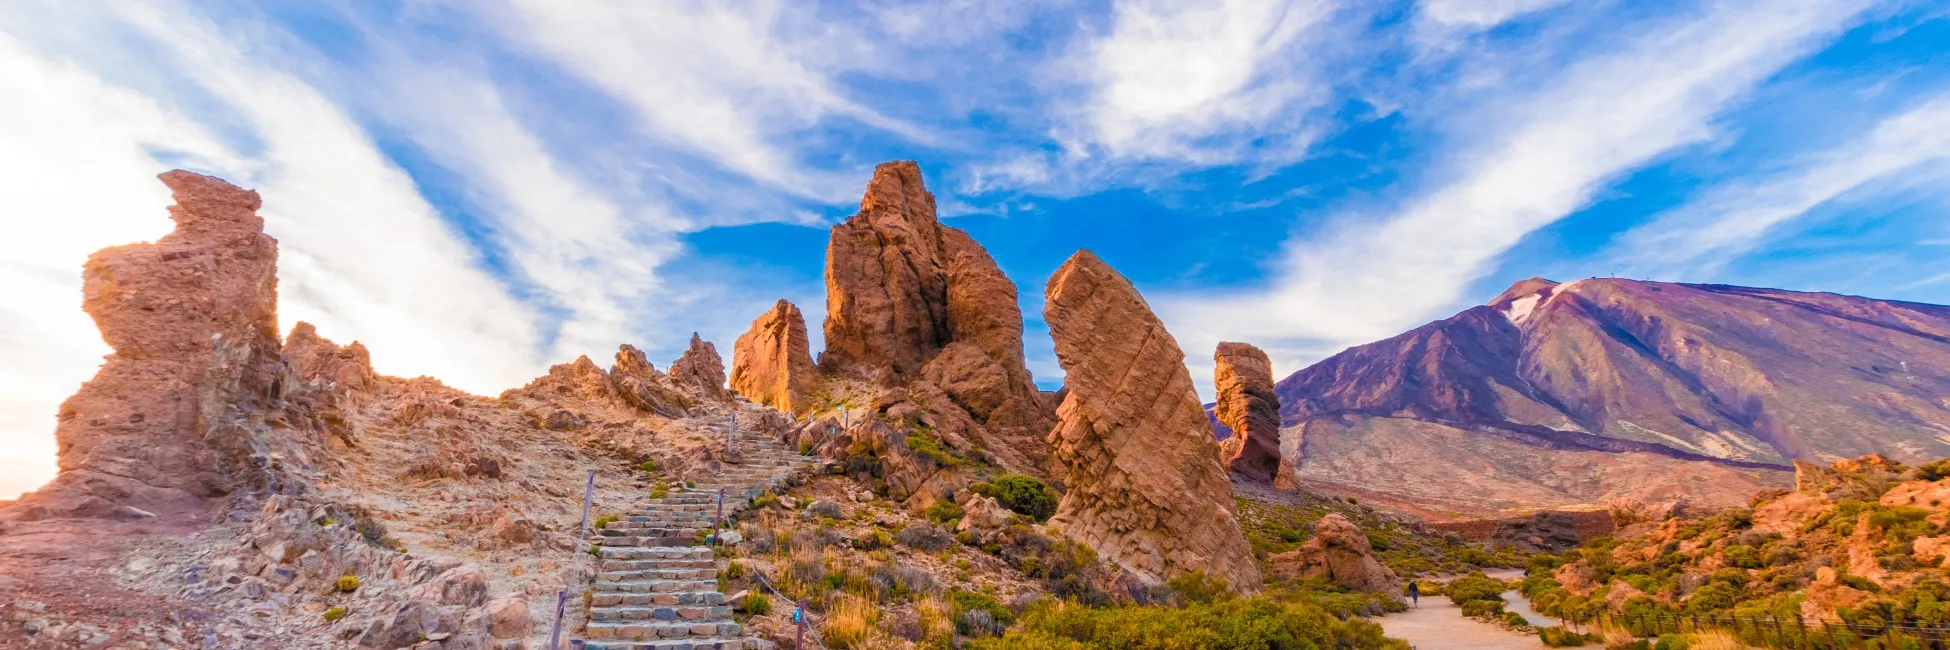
pixel 478 189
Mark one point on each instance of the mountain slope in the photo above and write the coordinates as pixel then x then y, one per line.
pixel 1725 384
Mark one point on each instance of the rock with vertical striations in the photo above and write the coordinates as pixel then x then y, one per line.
pixel 701 370
pixel 1243 377
pixel 166 424
pixel 910 300
pixel 1146 488
pixel 772 364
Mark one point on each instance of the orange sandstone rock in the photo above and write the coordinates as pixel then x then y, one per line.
pixel 1145 485
pixel 1246 403
pixel 771 364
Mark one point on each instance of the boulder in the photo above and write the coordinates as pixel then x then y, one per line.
pixel 1146 488
pixel 1340 553
pixel 771 363
pixel 166 424
pixel 701 370
pixel 1243 377
pixel 508 618
pixel 909 299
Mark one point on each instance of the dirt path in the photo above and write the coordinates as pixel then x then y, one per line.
pixel 1438 623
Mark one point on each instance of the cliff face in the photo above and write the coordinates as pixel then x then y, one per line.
pixel 1146 486
pixel 915 305
pixel 172 418
pixel 1725 384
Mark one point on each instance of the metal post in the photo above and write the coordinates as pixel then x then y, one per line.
pixel 562 596
pixel 799 616
pixel 731 434
pixel 717 527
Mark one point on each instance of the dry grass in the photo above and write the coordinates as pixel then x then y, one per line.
pixel 1718 640
pixel 850 622
pixel 937 619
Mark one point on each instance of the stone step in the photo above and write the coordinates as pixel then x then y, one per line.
pixel 652 541
pixel 656 553
pixel 655 586
pixel 663 531
pixel 661 520
pixel 671 565
pixel 679 644
pixel 647 630
pixel 628 575
pixel 617 598
pixel 672 614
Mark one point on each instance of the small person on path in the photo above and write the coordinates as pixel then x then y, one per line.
pixel 1415 593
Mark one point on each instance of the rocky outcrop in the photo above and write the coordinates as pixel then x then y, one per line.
pixel 335 379
pixel 909 300
pixel 701 370
pixel 173 418
pixel 1243 377
pixel 1339 552
pixel 772 364
pixel 639 383
pixel 1145 485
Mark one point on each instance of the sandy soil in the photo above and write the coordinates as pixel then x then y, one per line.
pixel 1438 623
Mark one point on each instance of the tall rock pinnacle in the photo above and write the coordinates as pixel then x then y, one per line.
pixel 1246 403
pixel 164 425
pixel 772 363
pixel 1146 486
pixel 909 299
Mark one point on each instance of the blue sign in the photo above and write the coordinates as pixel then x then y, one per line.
pixel 798 616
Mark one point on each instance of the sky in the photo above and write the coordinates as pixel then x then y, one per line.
pixel 476 189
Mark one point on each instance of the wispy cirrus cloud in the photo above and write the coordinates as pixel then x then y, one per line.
pixel 1367 277
pixel 1699 238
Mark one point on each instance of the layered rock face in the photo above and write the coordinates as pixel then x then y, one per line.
pixel 910 301
pixel 1146 488
pixel 702 370
pixel 167 422
pixel 772 364
pixel 1341 553
pixel 1246 404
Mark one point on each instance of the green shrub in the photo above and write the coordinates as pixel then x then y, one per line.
pixel 348 583
pixel 1514 619
pixel 942 512
pixel 965 601
pixel 334 614
pixel 1198 587
pixel 604 521
pixel 648 467
pixel 1672 642
pixel 1021 494
pixel 1475 586
pixel 1235 624
pixel 758 605
pixel 1558 637
pixel 1475 608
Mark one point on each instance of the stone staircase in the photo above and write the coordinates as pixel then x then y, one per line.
pixel 656 584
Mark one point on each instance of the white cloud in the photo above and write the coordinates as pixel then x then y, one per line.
pixel 1479 14
pixel 727 81
pixel 1198 81
pixel 1697 239
pixel 1363 279
pixel 58 121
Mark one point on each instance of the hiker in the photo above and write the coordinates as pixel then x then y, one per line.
pixel 1415 593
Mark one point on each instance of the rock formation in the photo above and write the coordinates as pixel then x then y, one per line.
pixel 168 421
pixel 638 382
pixel 1243 377
pixel 1340 552
pixel 910 301
pixel 772 364
pixel 701 370
pixel 1145 485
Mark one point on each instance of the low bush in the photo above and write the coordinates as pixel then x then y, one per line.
pixel 757 605
pixel 942 512
pixel 1234 624
pixel 1021 494
pixel 923 537
pixel 1558 637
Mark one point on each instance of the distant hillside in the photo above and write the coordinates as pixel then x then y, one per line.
pixel 1562 395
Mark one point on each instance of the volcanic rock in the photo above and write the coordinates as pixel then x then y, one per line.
pixel 1244 379
pixel 334 380
pixel 772 364
pixel 701 369
pixel 910 300
pixel 1145 485
pixel 167 422
pixel 1341 553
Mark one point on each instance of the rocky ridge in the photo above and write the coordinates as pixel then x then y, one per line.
pixel 1146 488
